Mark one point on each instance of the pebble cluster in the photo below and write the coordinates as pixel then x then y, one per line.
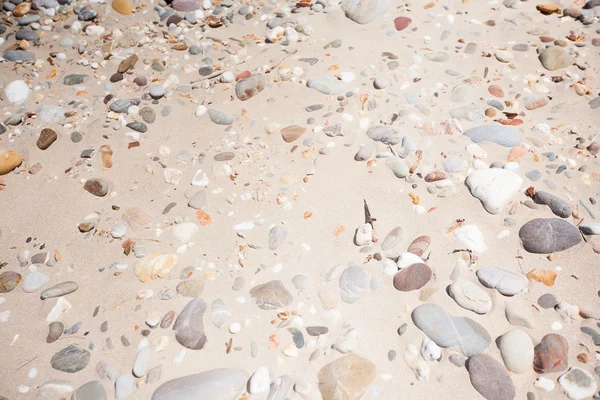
pixel 311 199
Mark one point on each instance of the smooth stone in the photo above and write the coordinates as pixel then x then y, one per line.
pixel 49 113
pixel 156 92
pixel 398 167
pixel 300 282
pixel 419 246
pixel 9 160
pixel 76 137
pixel 578 384
pixel 61 289
pixel 505 282
pixel 555 58
pixel 449 331
pixel 353 284
pixel 271 295
pixel 381 82
pixel 590 228
pixel 75 79
pixel 547 301
pixel 516 349
pixel 277 236
pixel 470 296
pixel 471 237
pixel 128 63
pixel 190 288
pixel 216 384
pixel 55 330
pixel 58 388
pixel 124 387
pixel 71 359
pixel 401 23
pixel 551 354
pixel 189 326
pixel 292 133
pixel 365 152
pixel 198 200
pixel 137 126
pixel 259 381
pixel 501 135
pixel 249 87
pixel 224 156
pixel 34 281
pixel 439 56
pixel 392 239
pixel 9 281
pixel 46 138
pixel 534 175
pixel 97 187
pixel 559 207
pixel 490 378
pixel 221 118
pixel 346 378
pixel 18 55
pixel 121 106
pixel 93 390
pixel 326 85
pixel 185 5
pixel 494 187
pixel 455 165
pixel 517 315
pixel 413 277
pixel 317 330
pixel 142 361
pixel 220 314
pixel 17 92
pixel 148 115
pixel 27 34
pixel 124 7
pixel 457 360
pixel 548 235
pixel 384 134
pixel 334 130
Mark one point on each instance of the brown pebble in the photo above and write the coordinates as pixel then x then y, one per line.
pixel 47 137
pixel 496 91
pixel 490 112
pixel 141 81
pixel 127 64
pixel 35 168
pixel 167 320
pixel 85 227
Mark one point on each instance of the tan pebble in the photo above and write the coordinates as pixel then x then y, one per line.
pixel 22 9
pixel 9 160
pixel 490 112
pixel 122 6
pixel 516 153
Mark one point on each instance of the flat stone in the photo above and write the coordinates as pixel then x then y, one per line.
pixel 249 87
pixel 124 387
pixel 55 330
pixel 9 160
pixel 578 384
pixel 559 207
pixel 46 138
pixel 448 331
pixel 129 62
pixel 551 354
pixel 353 284
pixel 334 130
pixel 271 295
pixel 155 267
pixel 221 118
pixel 216 384
pixel 277 236
pixel 18 55
pixel 505 282
pixel 17 92
pixel 189 326
pixel 470 296
pixel 516 315
pixel 190 288
pixel 548 235
pixel 419 246
pixel 97 187
pixel 555 58
pixel 185 5
pixel 384 134
pixel 490 378
pixel 148 115
pixel 317 330
pixel 501 135
pixel 71 359
pixel 138 126
pixel 124 7
pixel 9 280
pixel 412 278
pixel 142 361
pixel 61 289
pixel 220 314
pixel 438 56
pixel 75 79
pixel 292 133
pixel 280 387
pixel 326 85
pixel 93 390
pixel 224 156
pixel 346 378
pixel 402 23
pixel 56 388
pixel 34 281
pixel 392 239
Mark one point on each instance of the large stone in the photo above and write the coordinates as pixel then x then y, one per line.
pixel 71 359
pixel 578 384
pixel 96 186
pixel 220 117
pixel 490 378
pixel 516 349
pixel 494 187
pixel 560 208
pixel 155 267
pixel 292 133
pixel 346 378
pixel 124 7
pixel 9 160
pixel 185 5
pixel 556 57
pixel 449 331
pixel 216 384
pixel 249 87
pixel 58 388
pixel 59 290
pixel 17 92
pixel 90 391
pixel 384 134
pixel 353 284
pixel 364 11
pixel 499 134
pixel 506 282
pixel 548 235
pixel 189 326
pixel 470 296
pixel 9 281
pixel 413 277
pixel 46 138
pixel 551 354
pixel 271 295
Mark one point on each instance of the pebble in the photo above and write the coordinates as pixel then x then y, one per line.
pixel 9 280
pixel 494 187
pixel 70 359
pixel 221 384
pixel 490 378
pixel 551 354
pixel 17 92
pixel 412 278
pixel 470 296
pixel 505 282
pixel 350 374
pixel 548 235
pixel 271 295
pixel 189 326
pixel 516 349
pixel 353 284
